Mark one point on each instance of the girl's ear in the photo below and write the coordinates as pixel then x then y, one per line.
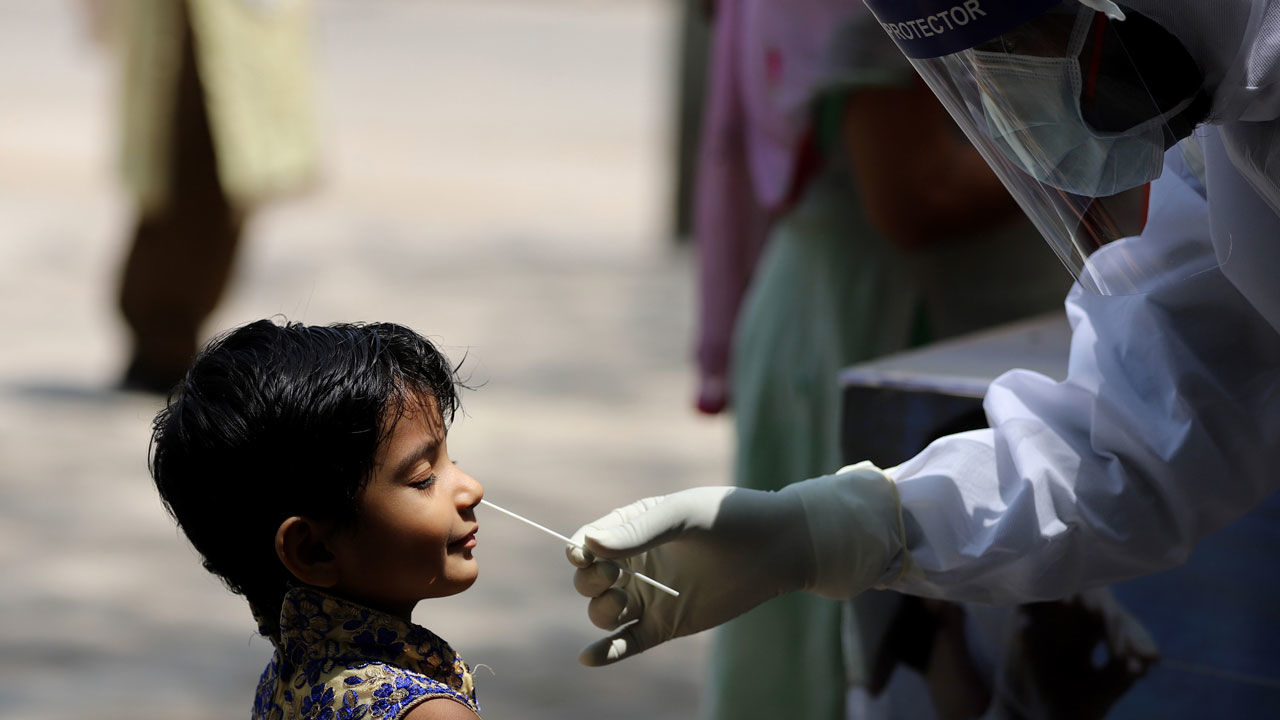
pixel 302 544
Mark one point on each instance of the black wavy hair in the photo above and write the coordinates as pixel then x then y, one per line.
pixel 282 419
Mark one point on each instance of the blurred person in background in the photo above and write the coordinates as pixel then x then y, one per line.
pixel 731 202
pixel 216 118
pixel 841 216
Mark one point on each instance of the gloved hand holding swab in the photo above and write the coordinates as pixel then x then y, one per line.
pixel 553 533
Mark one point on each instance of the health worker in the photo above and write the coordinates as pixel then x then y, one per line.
pixel 1143 140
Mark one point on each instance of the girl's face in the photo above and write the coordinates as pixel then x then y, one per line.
pixel 416 528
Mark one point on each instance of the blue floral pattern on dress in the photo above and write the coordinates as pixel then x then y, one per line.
pixel 336 660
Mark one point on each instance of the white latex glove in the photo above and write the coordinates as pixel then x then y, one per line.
pixel 727 550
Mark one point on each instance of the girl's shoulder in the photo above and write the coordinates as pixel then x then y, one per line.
pixel 361 690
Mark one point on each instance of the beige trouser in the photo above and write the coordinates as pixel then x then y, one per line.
pixel 182 252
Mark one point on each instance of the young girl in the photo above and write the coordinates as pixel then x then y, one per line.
pixel 309 467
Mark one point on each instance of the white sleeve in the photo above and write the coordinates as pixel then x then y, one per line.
pixel 1166 428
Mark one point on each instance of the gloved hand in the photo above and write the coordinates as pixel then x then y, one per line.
pixel 1051 670
pixel 727 550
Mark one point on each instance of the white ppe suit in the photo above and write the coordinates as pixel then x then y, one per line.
pixel 1166 428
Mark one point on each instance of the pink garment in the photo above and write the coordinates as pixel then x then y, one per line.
pixel 768 60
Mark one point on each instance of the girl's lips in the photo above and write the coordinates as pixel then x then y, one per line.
pixel 466 542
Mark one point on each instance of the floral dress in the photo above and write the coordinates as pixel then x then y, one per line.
pixel 336 660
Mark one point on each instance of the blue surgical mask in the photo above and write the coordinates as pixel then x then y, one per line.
pixel 1032 110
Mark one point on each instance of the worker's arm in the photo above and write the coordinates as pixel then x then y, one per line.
pixel 1166 428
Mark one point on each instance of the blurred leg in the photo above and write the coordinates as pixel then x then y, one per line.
pixel 182 253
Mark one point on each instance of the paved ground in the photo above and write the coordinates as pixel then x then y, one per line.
pixel 496 177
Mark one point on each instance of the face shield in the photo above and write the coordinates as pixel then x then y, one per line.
pixel 1073 108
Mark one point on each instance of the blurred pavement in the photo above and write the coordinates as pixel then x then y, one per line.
pixel 496 178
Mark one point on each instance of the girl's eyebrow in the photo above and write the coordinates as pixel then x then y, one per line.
pixel 426 451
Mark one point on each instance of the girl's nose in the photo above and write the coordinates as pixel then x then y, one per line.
pixel 471 490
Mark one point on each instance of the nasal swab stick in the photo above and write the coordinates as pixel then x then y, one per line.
pixel 553 533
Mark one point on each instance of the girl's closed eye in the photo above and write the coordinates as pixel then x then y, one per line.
pixel 424 483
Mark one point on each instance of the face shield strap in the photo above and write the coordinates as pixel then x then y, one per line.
pixel 1106 7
